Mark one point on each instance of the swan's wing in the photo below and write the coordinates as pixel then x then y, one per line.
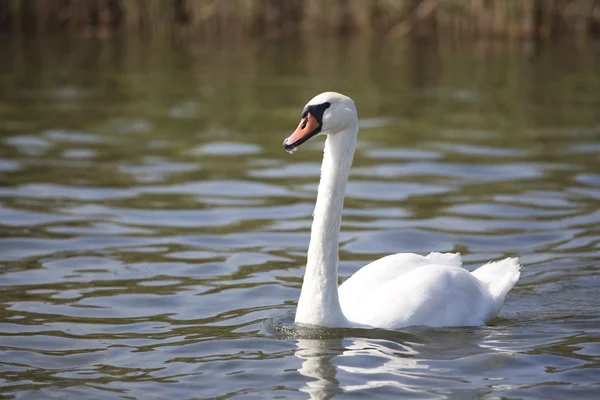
pixel 433 291
pixel 432 295
pixel 393 266
pixel 371 277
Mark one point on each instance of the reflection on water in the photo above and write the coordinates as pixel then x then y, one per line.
pixel 318 368
pixel 450 361
pixel 153 231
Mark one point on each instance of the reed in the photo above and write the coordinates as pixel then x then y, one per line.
pixel 211 19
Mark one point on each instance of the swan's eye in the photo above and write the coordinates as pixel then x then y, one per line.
pixel 315 111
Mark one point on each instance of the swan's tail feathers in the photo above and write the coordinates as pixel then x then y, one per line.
pixel 499 276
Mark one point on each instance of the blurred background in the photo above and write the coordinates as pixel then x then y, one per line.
pixel 209 19
pixel 153 231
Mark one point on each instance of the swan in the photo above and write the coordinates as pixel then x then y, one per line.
pixel 395 291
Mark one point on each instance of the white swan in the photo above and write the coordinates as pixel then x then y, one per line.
pixel 395 291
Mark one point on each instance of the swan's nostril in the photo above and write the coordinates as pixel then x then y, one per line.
pixel 304 123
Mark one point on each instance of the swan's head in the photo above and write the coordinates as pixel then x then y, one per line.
pixel 328 113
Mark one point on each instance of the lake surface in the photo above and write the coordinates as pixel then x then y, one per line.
pixel 153 231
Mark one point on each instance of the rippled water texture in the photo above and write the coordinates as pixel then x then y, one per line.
pixel 153 230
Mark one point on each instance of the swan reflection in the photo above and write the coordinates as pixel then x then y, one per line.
pixel 317 355
pixel 325 359
pixel 427 362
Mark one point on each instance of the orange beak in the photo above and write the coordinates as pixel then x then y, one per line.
pixel 306 129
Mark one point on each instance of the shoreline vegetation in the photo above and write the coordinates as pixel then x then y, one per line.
pixel 240 19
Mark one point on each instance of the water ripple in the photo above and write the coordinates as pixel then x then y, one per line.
pixel 153 233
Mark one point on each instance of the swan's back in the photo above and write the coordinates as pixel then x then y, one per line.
pixel 408 289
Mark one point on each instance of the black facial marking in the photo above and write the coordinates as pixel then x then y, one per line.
pixel 317 111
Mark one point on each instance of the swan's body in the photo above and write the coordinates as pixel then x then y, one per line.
pixel 395 291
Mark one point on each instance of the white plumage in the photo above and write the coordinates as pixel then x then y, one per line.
pixel 399 290
pixel 408 289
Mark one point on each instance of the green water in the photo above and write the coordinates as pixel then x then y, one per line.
pixel 153 231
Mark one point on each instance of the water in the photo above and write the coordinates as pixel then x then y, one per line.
pixel 153 230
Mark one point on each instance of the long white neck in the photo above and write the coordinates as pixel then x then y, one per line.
pixel 319 302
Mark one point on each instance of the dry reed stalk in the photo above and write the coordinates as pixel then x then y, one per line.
pixel 254 18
